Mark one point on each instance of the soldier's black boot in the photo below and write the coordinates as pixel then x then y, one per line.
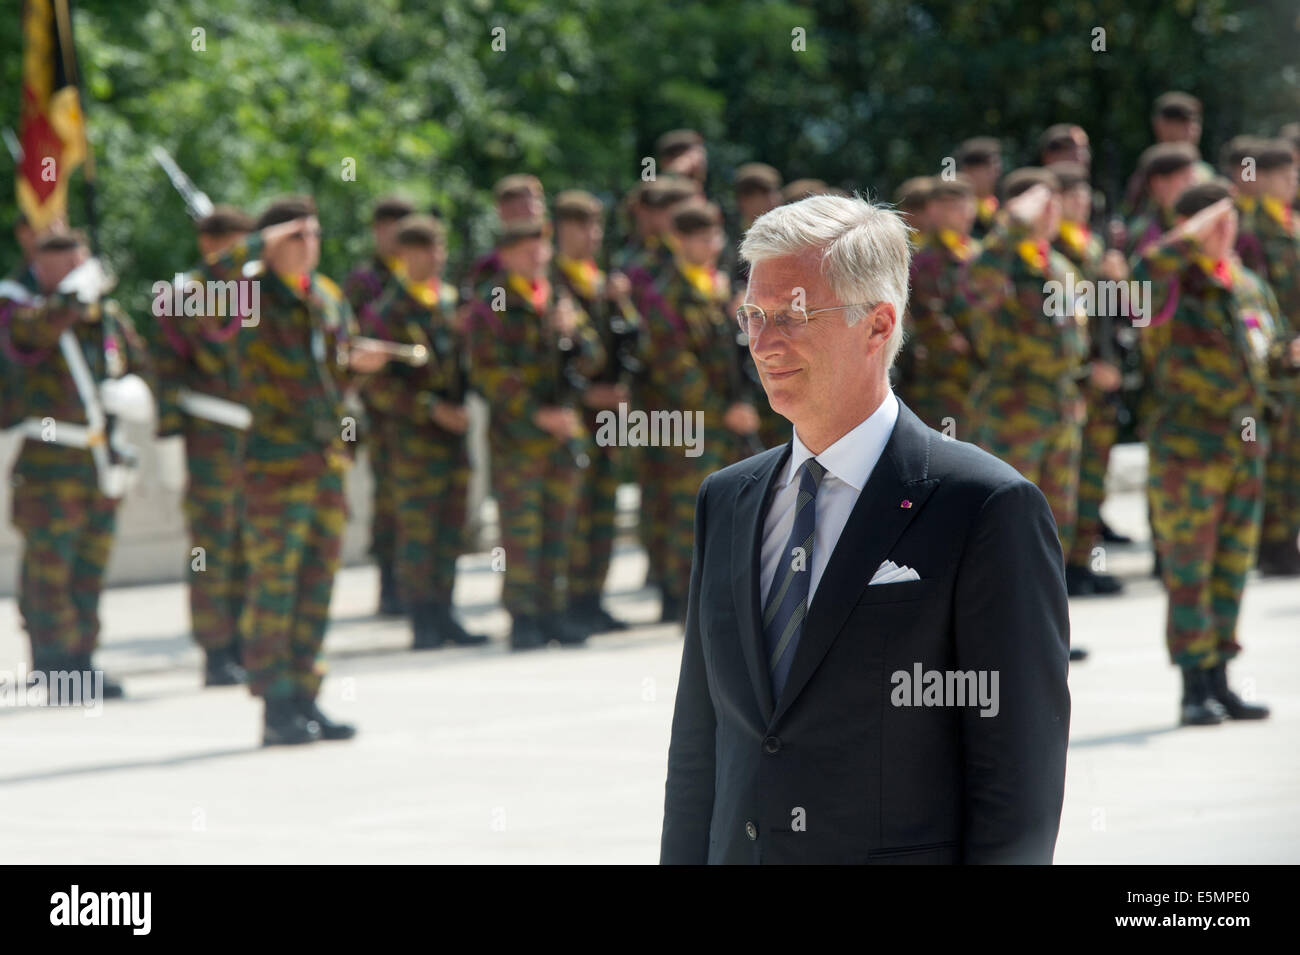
pixel 283 724
pixel 390 604
pixel 1233 705
pixel 111 690
pixel 1278 559
pixel 1078 653
pixel 450 629
pixel 222 668
pixel 1078 581
pixel 526 633
pixel 329 729
pixel 1199 708
pixel 425 632
pixel 588 612
pixel 560 628
pixel 1111 536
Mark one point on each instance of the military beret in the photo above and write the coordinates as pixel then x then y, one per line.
pixel 696 216
pixel 1071 174
pixel 675 142
pixel 756 177
pixel 1274 154
pixel 1022 180
pixel 958 187
pixel 1057 137
pixel 803 188
pixel 224 220
pixel 1176 105
pixel 61 241
pixel 1201 196
pixel 578 205
pixel 665 191
pixel 286 209
pixel 979 151
pixel 516 185
pixel 914 192
pixel 1235 150
pixel 390 209
pixel 521 230
pixel 422 231
pixel 1163 159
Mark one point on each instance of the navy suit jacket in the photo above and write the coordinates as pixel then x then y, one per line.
pixel 838 770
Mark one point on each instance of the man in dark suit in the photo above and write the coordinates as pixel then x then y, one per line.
pixel 877 631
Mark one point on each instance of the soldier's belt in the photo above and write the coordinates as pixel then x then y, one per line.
pixel 211 408
pixel 62 432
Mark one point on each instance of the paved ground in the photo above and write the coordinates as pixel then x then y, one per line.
pixel 479 756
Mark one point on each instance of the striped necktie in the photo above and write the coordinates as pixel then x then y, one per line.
pixel 787 603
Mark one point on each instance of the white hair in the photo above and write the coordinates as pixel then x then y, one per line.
pixel 864 250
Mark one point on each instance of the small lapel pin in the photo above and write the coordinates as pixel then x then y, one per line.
pixel 906 503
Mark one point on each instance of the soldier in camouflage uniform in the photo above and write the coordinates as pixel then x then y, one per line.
pixel 1175 118
pixel 1166 171
pixel 1268 242
pixel 528 349
pixel 937 354
pixel 66 481
pixel 422 412
pixel 691 368
pixel 198 378
pixel 607 302
pixel 295 362
pixel 1091 262
pixel 980 161
pixel 758 191
pixel 1033 346
pixel 363 288
pixel 1209 352
pixel 519 198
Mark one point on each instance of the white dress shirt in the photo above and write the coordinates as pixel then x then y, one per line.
pixel 848 463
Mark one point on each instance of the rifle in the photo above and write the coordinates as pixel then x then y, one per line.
pixel 196 200
pixel 570 383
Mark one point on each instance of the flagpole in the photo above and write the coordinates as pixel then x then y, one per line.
pixel 69 50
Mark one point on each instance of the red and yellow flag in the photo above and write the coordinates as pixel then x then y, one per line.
pixel 52 130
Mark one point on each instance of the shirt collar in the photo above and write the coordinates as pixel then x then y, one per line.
pixel 853 457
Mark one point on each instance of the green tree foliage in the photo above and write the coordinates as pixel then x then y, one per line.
pixel 420 96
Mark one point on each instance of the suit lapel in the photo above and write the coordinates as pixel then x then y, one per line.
pixel 874 526
pixel 746 542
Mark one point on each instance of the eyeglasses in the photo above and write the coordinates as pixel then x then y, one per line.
pixel 788 321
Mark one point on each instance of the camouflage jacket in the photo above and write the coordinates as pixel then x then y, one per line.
pixel 936 311
pixel 516 362
pixel 1208 353
pixel 1026 337
pixel 1144 230
pixel 30 331
pixel 20 284
pixel 194 347
pixel 293 363
pixel 691 349
pixel 617 323
pixel 413 315
pixel 363 288
pixel 1268 241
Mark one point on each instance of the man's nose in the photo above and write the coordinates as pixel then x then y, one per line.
pixel 767 341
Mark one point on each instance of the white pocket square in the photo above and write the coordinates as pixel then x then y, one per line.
pixel 890 573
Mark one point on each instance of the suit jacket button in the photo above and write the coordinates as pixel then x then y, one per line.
pixel 771 745
pixel 751 830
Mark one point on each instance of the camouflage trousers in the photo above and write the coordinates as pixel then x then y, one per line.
pixel 535 484
pixel 669 483
pixel 67 527
pixel 1282 477
pixel 1044 446
pixel 1099 434
pixel 383 515
pixel 430 481
pixel 214 511
pixel 1206 514
pixel 292 540
pixel 593 529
